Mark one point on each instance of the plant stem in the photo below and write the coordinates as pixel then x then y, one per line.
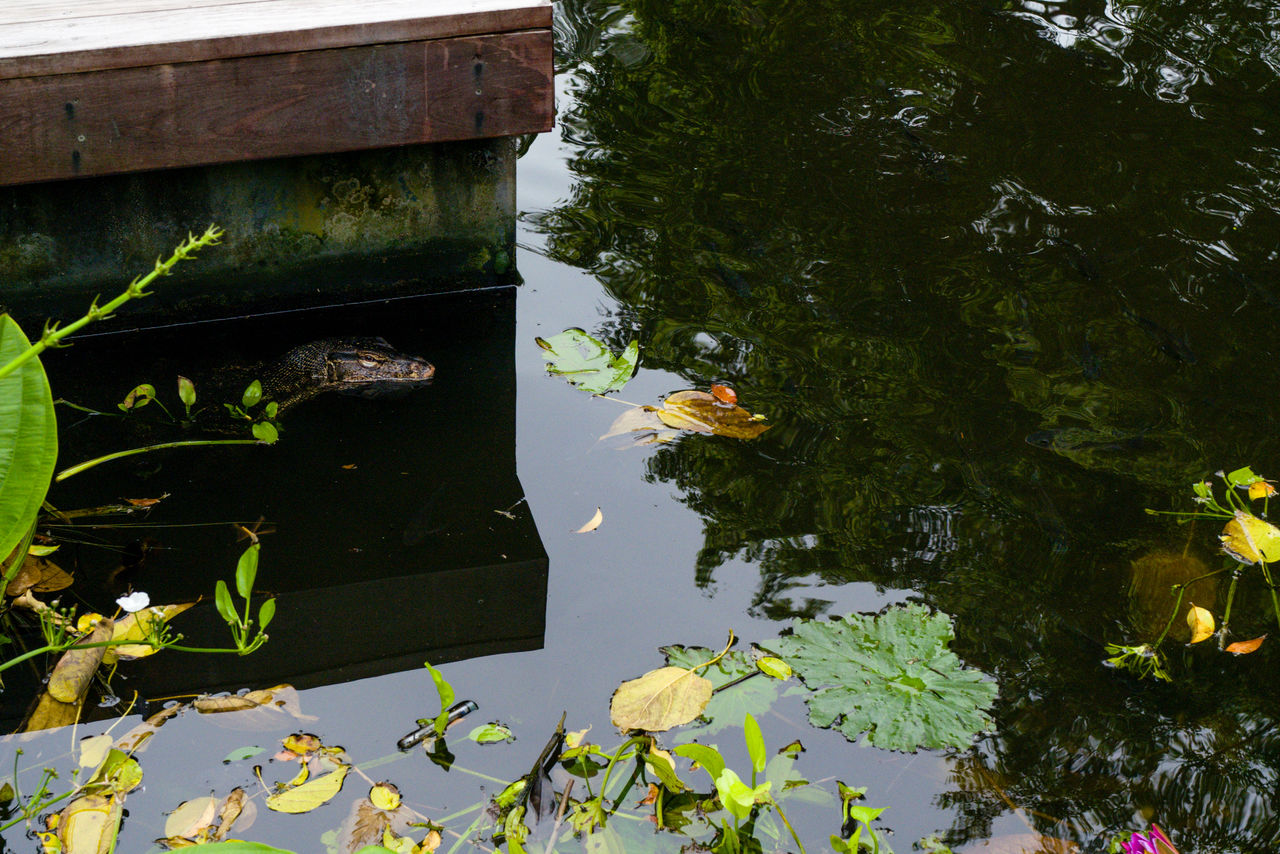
pixel 52 335
pixel 187 443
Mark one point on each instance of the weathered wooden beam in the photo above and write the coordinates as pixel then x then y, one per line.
pixel 255 107
pixel 56 37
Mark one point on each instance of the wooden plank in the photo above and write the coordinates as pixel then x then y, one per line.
pixel 276 105
pixel 132 33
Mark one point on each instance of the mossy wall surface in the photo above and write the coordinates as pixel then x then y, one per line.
pixel 299 231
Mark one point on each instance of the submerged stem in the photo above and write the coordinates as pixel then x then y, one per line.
pixel 188 443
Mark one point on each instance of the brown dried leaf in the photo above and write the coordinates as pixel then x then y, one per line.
pixel 145 502
pixel 1245 647
pixel 73 672
pixel 52 577
pixel 232 807
pixel 701 412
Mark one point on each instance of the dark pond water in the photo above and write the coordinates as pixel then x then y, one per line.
pixel 1001 276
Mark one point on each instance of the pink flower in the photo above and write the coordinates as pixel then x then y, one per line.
pixel 1152 842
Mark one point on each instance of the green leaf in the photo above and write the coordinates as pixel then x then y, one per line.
pixel 491 734
pixel 252 394
pixel 755 743
pixel 587 363
pixel 271 409
pixel 445 690
pixel 1242 477
pixel 775 667
pixel 222 600
pixel 247 570
pixel 266 613
pixel 706 756
pixel 28 439
pixel 139 397
pixel 186 392
pixel 242 753
pixel 890 676
pixel 265 431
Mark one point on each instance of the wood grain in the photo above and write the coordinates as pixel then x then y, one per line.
pixel 39 37
pixel 253 107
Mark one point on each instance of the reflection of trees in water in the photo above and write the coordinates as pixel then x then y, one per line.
pixel 914 238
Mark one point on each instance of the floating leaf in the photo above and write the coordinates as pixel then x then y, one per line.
pixel 311 794
pixel 775 667
pixel 890 676
pixel 592 523
pixel 587 363
pixel 191 817
pixel 643 421
pixel 38 575
pixel 727 708
pixel 252 394
pixel 145 502
pixel 659 700
pixel 94 749
pixel 491 734
pixel 1249 539
pixel 265 431
pixel 36 550
pixel 1245 647
pixel 1200 622
pixel 89 824
pixel 242 753
pixel 702 413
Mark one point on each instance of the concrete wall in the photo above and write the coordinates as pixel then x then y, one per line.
pixel 299 231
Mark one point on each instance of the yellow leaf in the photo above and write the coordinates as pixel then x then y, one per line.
pixel 309 795
pixel 40 551
pixel 659 700
pixel 1261 489
pixel 191 817
pixel 89 824
pixel 1249 539
pixel 138 626
pixel 232 807
pixel 592 523
pixel 384 796
pixel 1201 623
pixel 430 842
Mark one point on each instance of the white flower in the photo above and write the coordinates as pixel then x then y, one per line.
pixel 134 602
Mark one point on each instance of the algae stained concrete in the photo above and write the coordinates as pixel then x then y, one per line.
pixel 300 231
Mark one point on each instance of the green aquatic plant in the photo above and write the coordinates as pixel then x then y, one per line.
pixel 1246 540
pixel 890 676
pixel 28 424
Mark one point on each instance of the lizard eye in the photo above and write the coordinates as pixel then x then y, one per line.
pixel 371 360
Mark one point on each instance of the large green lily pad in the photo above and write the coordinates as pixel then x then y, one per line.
pixel 587 363
pixel 890 676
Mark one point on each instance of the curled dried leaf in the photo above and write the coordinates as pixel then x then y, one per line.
pixel 1200 622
